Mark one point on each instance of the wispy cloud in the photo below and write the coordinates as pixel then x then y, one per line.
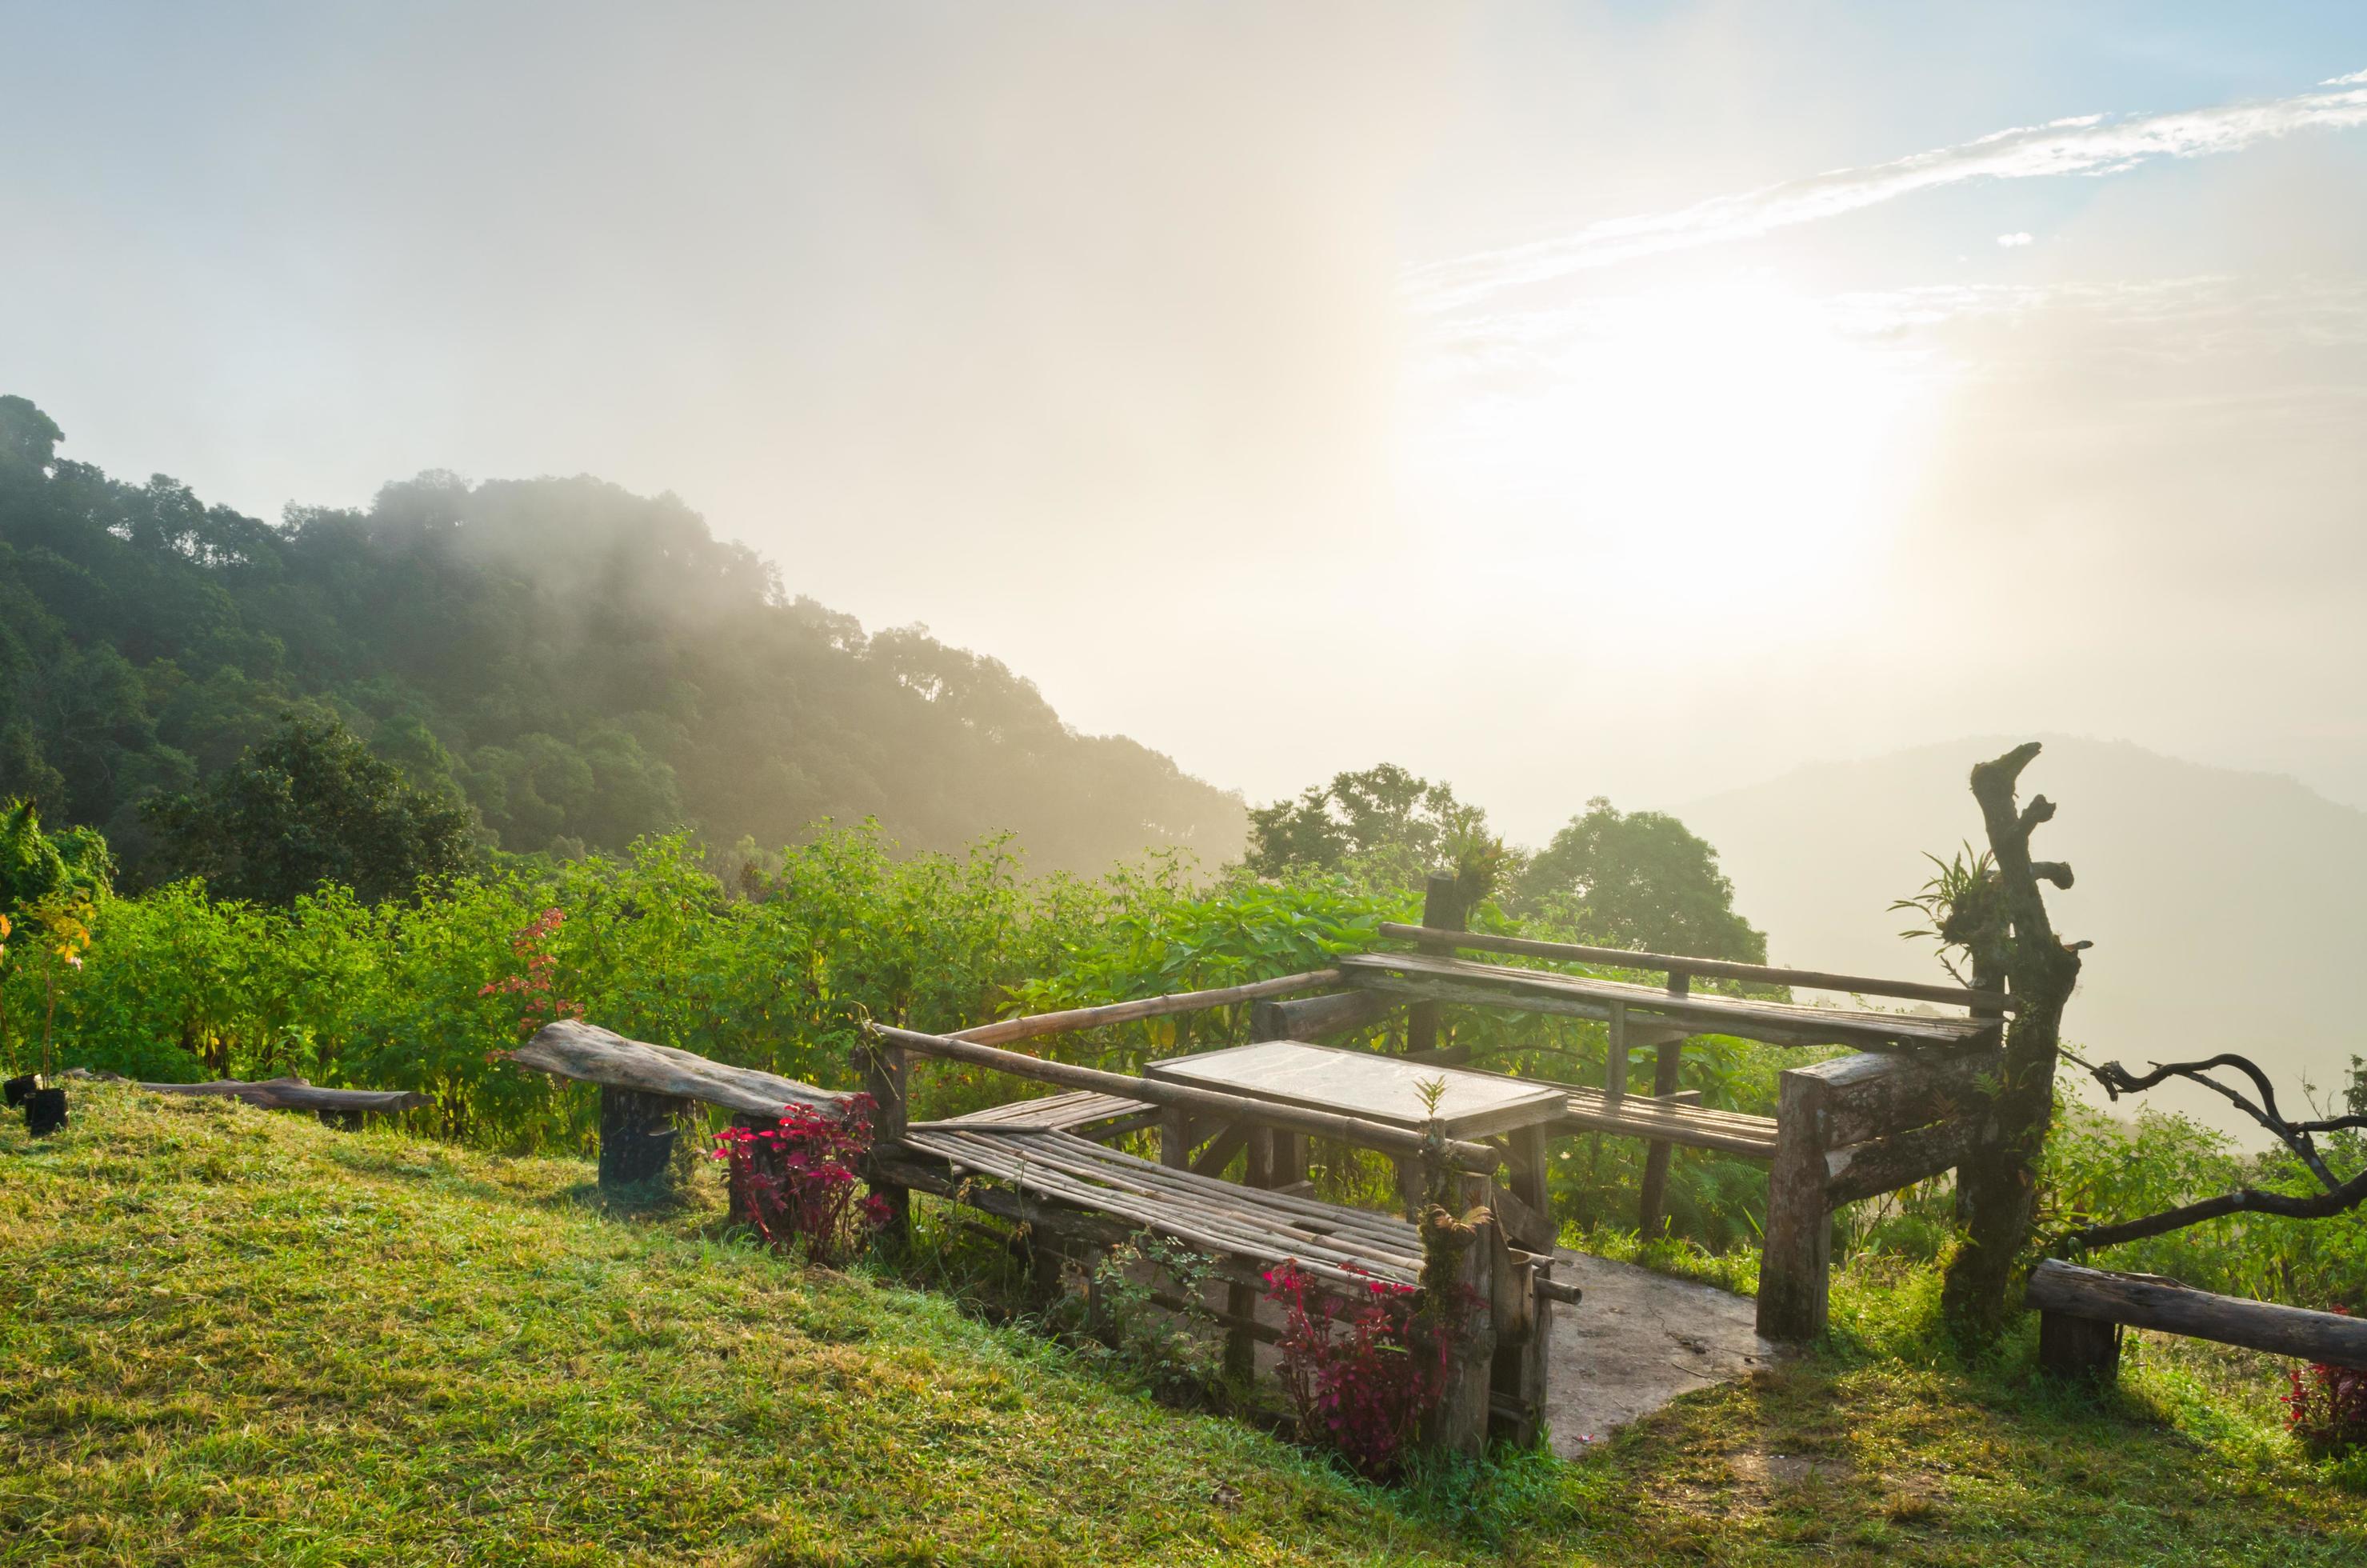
pixel 2092 144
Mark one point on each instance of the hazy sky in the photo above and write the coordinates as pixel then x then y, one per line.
pixel 1557 398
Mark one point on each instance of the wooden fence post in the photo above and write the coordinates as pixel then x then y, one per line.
pixel 886 1078
pixel 1668 1069
pixel 1795 1261
pixel 1442 910
pixel 1464 1259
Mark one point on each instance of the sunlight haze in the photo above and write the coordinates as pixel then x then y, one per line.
pixel 1555 400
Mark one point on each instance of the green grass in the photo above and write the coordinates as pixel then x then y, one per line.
pixel 228 1337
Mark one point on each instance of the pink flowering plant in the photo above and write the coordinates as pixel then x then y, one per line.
pixel 537 983
pixel 1362 1365
pixel 2325 1407
pixel 794 1183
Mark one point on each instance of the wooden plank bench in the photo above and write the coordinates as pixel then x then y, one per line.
pixel 1085 1112
pixel 1906 1108
pixel 1082 1197
pixel 646 1093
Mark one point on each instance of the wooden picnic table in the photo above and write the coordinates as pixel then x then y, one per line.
pixel 1388 1090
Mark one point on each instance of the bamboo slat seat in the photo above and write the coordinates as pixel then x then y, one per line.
pixel 1694 1127
pixel 1072 1112
pixel 1263 1227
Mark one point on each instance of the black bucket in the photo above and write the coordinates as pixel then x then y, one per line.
pixel 17 1090
pixel 45 1111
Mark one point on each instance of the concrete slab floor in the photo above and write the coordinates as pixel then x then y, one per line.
pixel 1637 1341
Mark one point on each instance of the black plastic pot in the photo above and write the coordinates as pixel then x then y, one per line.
pixel 18 1089
pixel 45 1111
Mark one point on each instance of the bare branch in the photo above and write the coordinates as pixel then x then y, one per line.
pixel 2246 1201
pixel 2118 1080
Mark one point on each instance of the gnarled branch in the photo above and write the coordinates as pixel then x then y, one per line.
pixel 2244 1201
pixel 2339 1195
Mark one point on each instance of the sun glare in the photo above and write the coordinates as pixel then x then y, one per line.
pixel 1736 444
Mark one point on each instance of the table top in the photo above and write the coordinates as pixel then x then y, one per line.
pixel 1359 1083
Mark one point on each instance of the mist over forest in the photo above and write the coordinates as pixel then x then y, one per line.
pixel 576 663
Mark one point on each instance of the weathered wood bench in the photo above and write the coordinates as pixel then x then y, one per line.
pixel 1905 1109
pixel 2081 1313
pixel 342 1107
pixel 648 1093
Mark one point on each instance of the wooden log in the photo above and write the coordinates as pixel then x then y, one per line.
pixel 571 1049
pixel 638 1134
pixel 1265 1113
pixel 296 1094
pixel 1874 1094
pixel 1442 911
pixel 1885 1164
pixel 1312 1017
pixel 2145 1301
pixel 1674 964
pixel 1003 1031
pixel 1796 1262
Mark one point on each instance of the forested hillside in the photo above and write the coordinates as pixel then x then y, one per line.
pixel 578 664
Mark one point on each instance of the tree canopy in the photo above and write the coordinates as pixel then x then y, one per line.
pixel 1642 879
pixel 311 805
pixel 573 663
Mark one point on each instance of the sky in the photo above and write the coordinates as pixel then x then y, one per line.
pixel 1626 399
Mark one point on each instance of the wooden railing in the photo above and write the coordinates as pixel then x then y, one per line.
pixel 1676 965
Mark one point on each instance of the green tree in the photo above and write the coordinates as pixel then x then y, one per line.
pixel 1641 880
pixel 1384 822
pixel 34 864
pixel 311 805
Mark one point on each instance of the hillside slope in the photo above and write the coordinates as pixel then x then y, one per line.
pixel 2225 906
pixel 580 663
pixel 228 1337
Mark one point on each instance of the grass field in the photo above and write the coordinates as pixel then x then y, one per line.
pixel 230 1336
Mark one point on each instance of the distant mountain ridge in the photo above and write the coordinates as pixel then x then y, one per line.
pixel 2225 906
pixel 580 663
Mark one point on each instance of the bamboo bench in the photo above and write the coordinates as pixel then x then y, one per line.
pixel 1078 1199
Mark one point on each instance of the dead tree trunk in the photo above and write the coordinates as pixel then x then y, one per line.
pixel 1998 1180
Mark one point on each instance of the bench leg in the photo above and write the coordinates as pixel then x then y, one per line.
pixel 1175 1138
pixel 1796 1262
pixel 638 1132
pixel 1528 1183
pixel 2079 1349
pixel 1667 1071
